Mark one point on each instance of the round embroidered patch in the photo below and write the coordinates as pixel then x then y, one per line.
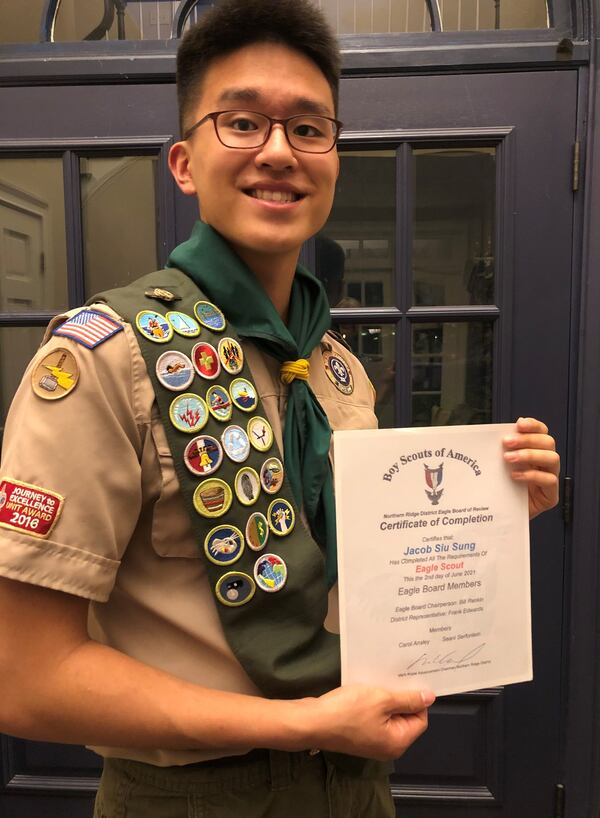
pixel 174 370
pixel 257 531
pixel 260 433
pixel 224 544
pixel 188 413
pixel 243 394
pixel 203 455
pixel 247 486
pixel 206 361
pixel 209 316
pixel 154 326
pixel 219 403
pixel 183 324
pixel 235 588
pixel 231 355
pixel 338 372
pixel 271 475
pixel 213 498
pixel 270 573
pixel 236 444
pixel 281 517
pixel 56 375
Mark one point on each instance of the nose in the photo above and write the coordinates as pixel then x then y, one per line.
pixel 277 152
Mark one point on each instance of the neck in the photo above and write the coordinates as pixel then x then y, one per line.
pixel 275 274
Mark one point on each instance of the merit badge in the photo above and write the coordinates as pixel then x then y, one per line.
pixel 236 444
pixel 260 433
pixel 206 360
pixel 183 324
pixel 219 403
pixel 174 370
pixel 257 531
pixel 235 588
pixel 213 497
pixel 281 517
pixel 89 328
pixel 270 573
pixel 224 544
pixel 56 375
pixel 247 486
pixel 338 372
pixel 154 326
pixel 243 394
pixel 203 455
pixel 209 316
pixel 231 355
pixel 188 413
pixel 28 509
pixel 271 475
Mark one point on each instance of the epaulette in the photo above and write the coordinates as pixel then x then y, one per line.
pixel 340 339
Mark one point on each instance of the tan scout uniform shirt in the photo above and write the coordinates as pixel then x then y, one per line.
pixel 124 539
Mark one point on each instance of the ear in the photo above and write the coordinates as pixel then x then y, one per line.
pixel 179 165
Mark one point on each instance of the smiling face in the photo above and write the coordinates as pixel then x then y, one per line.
pixel 265 201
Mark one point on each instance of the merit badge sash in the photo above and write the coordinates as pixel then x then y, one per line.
pixel 266 572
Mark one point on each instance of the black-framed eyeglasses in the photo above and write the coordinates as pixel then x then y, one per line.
pixel 249 129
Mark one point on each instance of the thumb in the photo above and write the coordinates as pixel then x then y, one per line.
pixel 411 701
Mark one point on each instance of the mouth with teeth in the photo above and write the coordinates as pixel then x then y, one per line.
pixel 279 196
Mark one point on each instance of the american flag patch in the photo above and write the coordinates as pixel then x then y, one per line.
pixel 89 328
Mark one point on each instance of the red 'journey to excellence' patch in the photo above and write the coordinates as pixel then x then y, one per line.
pixel 29 509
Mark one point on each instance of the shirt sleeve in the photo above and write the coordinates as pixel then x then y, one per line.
pixel 72 464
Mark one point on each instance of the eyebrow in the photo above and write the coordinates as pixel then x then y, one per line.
pixel 303 104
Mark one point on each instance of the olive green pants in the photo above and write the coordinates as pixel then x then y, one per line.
pixel 263 784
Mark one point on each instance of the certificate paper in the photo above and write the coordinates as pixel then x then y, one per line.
pixel 433 551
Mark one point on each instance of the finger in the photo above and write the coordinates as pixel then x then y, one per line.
pixel 410 701
pixel 534 459
pixel 530 441
pixel 531 425
pixel 535 477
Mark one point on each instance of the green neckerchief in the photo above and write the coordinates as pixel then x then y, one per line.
pixel 209 261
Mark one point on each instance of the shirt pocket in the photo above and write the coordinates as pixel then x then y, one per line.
pixel 172 534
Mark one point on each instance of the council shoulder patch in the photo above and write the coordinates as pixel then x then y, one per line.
pixel 29 509
pixel 89 328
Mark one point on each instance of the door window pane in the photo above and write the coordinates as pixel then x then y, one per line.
pixel 355 252
pixel 16 27
pixel 119 220
pixel 374 346
pixel 476 15
pixel 452 373
pixel 454 224
pixel 33 263
pixel 17 347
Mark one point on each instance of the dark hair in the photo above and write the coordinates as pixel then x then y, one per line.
pixel 233 24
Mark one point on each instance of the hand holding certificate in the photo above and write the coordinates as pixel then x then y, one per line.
pixel 433 540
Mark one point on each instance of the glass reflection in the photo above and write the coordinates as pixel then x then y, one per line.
pixel 33 258
pixel 376 16
pixel 355 251
pixel 452 373
pixel 17 347
pixel 374 346
pixel 119 220
pixel 454 226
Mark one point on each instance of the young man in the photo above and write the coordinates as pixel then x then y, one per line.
pixel 168 605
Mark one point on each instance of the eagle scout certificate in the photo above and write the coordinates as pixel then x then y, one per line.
pixel 433 552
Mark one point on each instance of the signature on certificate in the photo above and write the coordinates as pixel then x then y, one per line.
pixel 453 657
